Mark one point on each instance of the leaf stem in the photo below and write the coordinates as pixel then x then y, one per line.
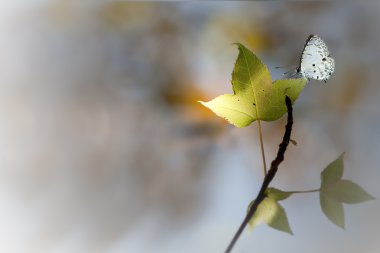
pixel 269 176
pixel 305 191
pixel 262 145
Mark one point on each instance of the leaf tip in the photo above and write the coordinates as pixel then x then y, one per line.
pixel 237 44
pixel 340 224
pixel 205 104
pixel 240 46
pixel 289 231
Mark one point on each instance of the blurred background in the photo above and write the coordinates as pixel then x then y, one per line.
pixel 104 148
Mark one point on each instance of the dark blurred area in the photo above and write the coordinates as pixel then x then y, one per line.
pixel 104 147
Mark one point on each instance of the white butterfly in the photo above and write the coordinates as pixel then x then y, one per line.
pixel 316 62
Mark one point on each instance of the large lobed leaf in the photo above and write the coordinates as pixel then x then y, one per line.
pixel 255 96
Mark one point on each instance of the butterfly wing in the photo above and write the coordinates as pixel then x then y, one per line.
pixel 316 62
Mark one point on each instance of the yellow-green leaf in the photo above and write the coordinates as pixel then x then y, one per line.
pixel 347 192
pixel 335 191
pixel 273 214
pixel 332 209
pixel 255 96
pixel 333 172
pixel 277 194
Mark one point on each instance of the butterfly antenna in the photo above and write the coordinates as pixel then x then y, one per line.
pixel 283 67
pixel 293 75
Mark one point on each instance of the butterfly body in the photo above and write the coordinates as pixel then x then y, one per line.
pixel 316 62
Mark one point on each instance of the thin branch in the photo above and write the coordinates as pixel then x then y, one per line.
pixel 269 176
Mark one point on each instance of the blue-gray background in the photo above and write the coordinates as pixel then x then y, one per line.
pixel 103 147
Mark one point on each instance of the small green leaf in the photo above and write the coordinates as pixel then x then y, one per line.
pixel 333 172
pixel 273 214
pixel 277 194
pixel 332 209
pixel 255 97
pixel 348 192
pixel 279 221
pixel 258 216
pixel 335 191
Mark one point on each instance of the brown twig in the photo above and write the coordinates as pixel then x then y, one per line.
pixel 271 173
